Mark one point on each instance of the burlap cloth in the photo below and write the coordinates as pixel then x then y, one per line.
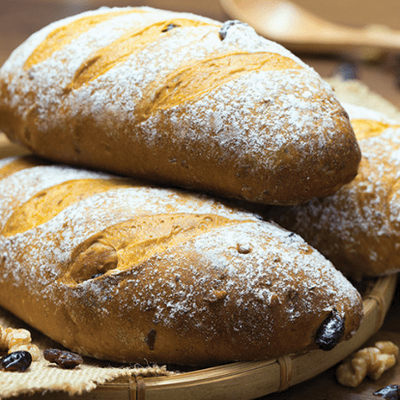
pixel 43 376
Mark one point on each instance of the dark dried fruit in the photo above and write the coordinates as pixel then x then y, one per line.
pixel 223 32
pixel 16 361
pixel 169 27
pixel 63 358
pixel 330 332
pixel 390 392
pixel 97 275
pixel 150 339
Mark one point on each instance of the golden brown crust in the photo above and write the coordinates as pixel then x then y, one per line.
pixel 18 164
pixel 129 272
pixel 49 202
pixel 358 227
pixel 230 113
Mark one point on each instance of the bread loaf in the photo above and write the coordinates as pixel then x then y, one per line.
pixel 117 270
pixel 180 99
pixel 358 228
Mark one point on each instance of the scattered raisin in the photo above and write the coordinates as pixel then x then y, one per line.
pixel 63 358
pixel 16 361
pixel 390 392
pixel 330 332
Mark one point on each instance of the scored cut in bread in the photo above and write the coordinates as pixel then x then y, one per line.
pixel 178 99
pixel 119 270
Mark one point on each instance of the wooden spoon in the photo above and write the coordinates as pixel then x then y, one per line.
pixel 298 29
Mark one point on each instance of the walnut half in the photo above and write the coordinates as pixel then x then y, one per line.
pixel 16 340
pixel 370 361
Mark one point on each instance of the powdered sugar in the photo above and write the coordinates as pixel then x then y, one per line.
pixel 257 274
pixel 22 185
pixel 359 226
pixel 5 161
pixel 244 263
pixel 242 115
pixel 85 218
pixel 273 93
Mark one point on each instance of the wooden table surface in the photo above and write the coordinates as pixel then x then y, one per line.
pixel 20 18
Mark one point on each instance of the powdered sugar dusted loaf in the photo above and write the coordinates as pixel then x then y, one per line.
pixel 117 270
pixel 181 99
pixel 358 228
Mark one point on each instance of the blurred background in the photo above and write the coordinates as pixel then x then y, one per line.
pixel 380 70
pixel 356 12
